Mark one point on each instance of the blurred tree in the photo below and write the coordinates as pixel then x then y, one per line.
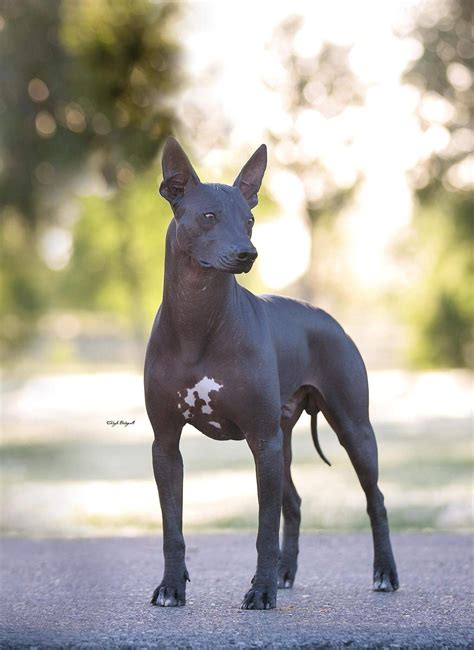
pixel 318 89
pixel 442 307
pixel 441 304
pixel 116 265
pixel 84 78
pixel 24 283
pixel 443 73
pixel 85 95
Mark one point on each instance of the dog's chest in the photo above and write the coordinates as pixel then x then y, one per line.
pixel 203 404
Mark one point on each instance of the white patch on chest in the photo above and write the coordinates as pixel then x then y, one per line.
pixel 216 425
pixel 200 391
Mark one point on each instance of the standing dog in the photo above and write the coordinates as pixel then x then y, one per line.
pixel 238 366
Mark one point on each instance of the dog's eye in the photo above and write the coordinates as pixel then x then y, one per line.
pixel 209 215
pixel 251 221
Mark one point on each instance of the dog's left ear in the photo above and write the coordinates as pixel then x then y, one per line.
pixel 250 177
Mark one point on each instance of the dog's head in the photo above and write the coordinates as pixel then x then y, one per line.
pixel 213 221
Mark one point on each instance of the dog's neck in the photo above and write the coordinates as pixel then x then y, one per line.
pixel 197 303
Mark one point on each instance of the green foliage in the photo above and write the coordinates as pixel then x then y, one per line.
pixel 125 65
pixel 117 263
pixel 23 282
pixel 441 307
pixel 84 79
pixel 85 95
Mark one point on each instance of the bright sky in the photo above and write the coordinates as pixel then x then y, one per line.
pixel 234 39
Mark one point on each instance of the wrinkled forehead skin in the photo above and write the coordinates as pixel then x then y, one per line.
pixel 220 199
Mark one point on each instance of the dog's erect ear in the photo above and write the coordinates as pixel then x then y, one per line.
pixel 178 173
pixel 250 177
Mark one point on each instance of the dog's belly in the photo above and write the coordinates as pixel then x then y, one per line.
pixel 218 428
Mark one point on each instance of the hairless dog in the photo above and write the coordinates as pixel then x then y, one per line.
pixel 238 366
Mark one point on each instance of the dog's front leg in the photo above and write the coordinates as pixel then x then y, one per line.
pixel 268 456
pixel 168 470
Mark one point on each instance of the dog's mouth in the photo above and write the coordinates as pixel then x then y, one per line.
pixel 235 266
pixel 226 266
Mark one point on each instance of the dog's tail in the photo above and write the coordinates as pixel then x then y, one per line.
pixel 314 435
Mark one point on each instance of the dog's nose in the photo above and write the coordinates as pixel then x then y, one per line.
pixel 247 255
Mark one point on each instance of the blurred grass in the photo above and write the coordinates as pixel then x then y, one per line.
pixel 84 487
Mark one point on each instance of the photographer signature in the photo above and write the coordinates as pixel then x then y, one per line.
pixel 124 423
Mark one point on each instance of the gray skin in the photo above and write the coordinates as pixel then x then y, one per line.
pixel 266 359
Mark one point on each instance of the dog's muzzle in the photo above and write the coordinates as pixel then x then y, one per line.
pixel 240 261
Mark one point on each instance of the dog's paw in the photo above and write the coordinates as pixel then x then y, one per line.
pixel 286 576
pixel 285 582
pixel 168 596
pixel 385 579
pixel 259 598
pixel 171 593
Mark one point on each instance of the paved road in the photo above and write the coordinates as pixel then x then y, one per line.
pixel 94 593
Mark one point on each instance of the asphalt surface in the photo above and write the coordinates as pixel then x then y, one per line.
pixel 94 593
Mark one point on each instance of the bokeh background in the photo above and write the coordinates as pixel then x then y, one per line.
pixel 366 210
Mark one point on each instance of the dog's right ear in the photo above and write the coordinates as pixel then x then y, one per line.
pixel 178 173
pixel 250 178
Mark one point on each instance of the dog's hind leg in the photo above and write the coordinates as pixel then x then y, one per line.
pixel 291 509
pixel 357 437
pixel 291 504
pixel 343 397
pixel 360 444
